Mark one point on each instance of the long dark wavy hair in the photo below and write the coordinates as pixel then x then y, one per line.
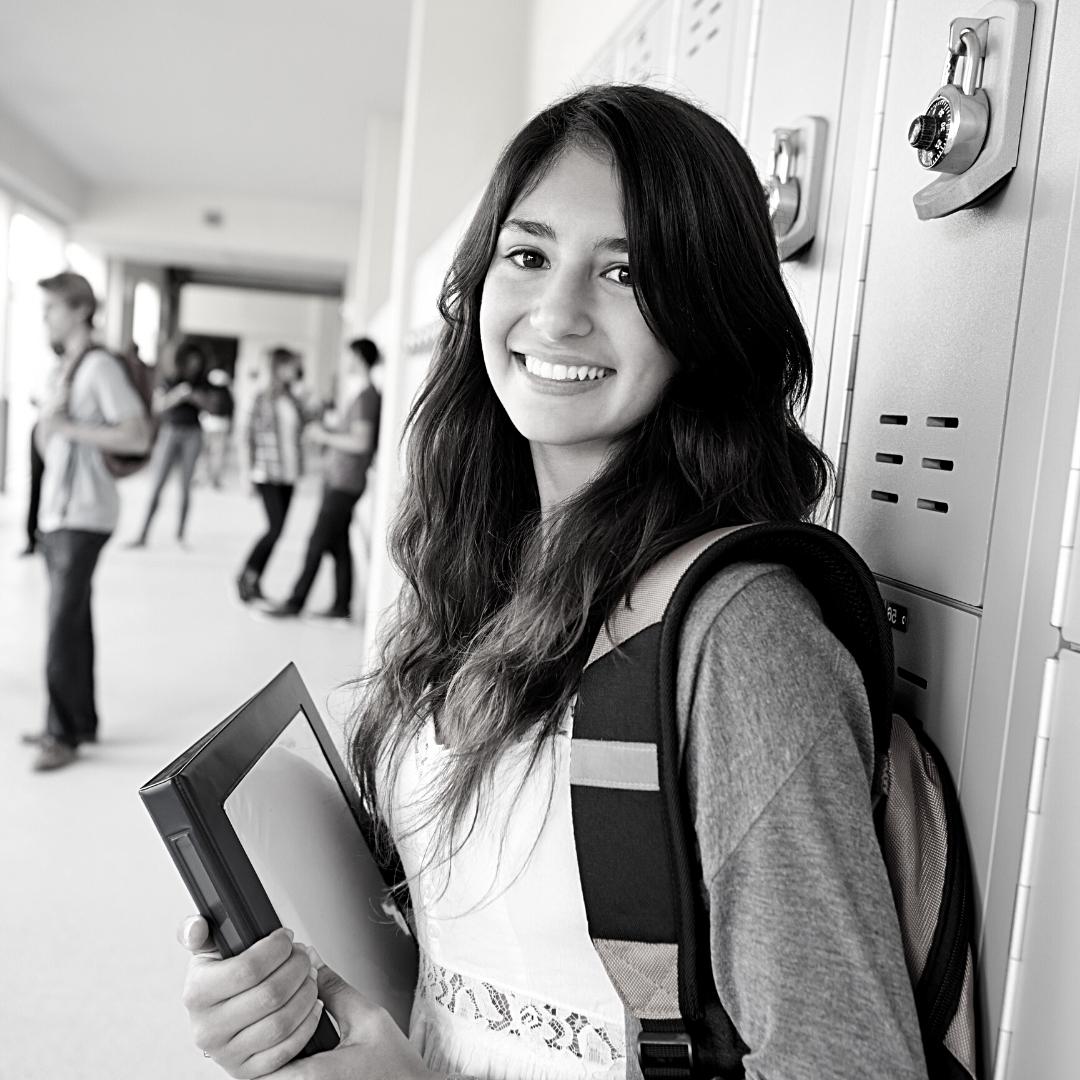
pixel 497 615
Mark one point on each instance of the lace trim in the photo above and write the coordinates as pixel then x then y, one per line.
pixel 518 1016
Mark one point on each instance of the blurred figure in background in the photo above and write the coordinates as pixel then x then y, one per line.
pixel 177 402
pixel 217 419
pixel 94 409
pixel 273 459
pixel 351 448
pixel 37 472
pixel 37 465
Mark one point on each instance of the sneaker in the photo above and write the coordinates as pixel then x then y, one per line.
pixel 338 614
pixel 53 754
pixel 288 609
pixel 36 738
pixel 247 585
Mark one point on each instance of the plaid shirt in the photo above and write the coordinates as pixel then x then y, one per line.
pixel 265 452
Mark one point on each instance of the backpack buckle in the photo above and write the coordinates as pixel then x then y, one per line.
pixel 665 1050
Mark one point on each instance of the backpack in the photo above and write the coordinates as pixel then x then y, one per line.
pixel 634 834
pixel 141 378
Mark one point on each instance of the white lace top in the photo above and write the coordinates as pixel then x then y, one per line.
pixel 510 985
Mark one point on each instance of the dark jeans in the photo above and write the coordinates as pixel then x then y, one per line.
pixel 177 445
pixel 70 556
pixel 37 471
pixel 330 536
pixel 276 499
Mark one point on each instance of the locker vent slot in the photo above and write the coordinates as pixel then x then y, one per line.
pixel 885 496
pixel 893 418
pixel 937 463
pixel 911 677
pixel 703 26
pixel 891 459
pixel 931 504
pixel 943 421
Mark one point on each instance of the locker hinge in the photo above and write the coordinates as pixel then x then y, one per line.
pixel 1032 822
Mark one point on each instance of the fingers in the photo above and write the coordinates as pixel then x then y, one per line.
pixel 278 991
pixel 276 1038
pixel 215 981
pixel 268 1061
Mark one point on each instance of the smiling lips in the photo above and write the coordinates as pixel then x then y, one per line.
pixel 544 369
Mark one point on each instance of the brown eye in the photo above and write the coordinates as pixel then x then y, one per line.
pixel 620 275
pixel 527 259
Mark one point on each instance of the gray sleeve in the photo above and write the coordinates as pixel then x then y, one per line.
pixel 806 949
pixel 117 399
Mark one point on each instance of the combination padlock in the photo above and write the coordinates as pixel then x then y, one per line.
pixel 950 134
pixel 781 187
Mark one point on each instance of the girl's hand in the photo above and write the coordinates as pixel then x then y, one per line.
pixel 254 1012
pixel 372 1046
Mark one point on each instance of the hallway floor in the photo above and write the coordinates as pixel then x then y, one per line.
pixel 89 899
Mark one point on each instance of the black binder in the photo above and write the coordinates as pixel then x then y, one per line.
pixel 267 829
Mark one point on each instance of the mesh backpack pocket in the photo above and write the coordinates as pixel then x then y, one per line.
pixel 921 831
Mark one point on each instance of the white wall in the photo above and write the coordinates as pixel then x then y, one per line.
pixel 369 278
pixel 464 99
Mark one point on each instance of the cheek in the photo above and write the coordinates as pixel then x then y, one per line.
pixel 494 325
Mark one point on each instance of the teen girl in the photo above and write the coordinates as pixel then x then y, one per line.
pixel 178 402
pixel 620 372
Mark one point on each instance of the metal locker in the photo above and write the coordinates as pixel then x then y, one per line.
pixel 710 55
pixel 935 347
pixel 1067 605
pixel 644 52
pixel 1040 1039
pixel 934 655
pixel 788 81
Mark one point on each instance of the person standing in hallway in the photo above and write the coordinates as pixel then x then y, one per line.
pixel 37 472
pixel 274 460
pixel 217 421
pixel 177 402
pixel 93 410
pixel 350 451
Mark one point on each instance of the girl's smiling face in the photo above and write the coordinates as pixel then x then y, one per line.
pixel 565 345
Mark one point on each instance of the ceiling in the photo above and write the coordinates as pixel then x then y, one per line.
pixel 265 98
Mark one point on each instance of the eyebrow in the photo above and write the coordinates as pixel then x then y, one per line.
pixel 544 231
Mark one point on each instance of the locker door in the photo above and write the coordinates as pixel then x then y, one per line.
pixel 1043 1042
pixel 710 54
pixel 644 51
pixel 935 345
pixel 799 69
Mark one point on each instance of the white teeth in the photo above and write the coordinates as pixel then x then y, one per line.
pixel 562 372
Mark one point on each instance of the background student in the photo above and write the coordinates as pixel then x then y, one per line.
pixel 350 448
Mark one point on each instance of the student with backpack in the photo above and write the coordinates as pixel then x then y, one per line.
pixel 618 381
pixel 94 415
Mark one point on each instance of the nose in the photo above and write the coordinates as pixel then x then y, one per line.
pixel 561 309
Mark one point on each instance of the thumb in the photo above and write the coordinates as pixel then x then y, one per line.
pixel 344 1003
pixel 194 934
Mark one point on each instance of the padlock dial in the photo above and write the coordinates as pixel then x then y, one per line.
pixel 929 134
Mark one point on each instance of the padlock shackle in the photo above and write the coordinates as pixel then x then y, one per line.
pixel 783 153
pixel 970 50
